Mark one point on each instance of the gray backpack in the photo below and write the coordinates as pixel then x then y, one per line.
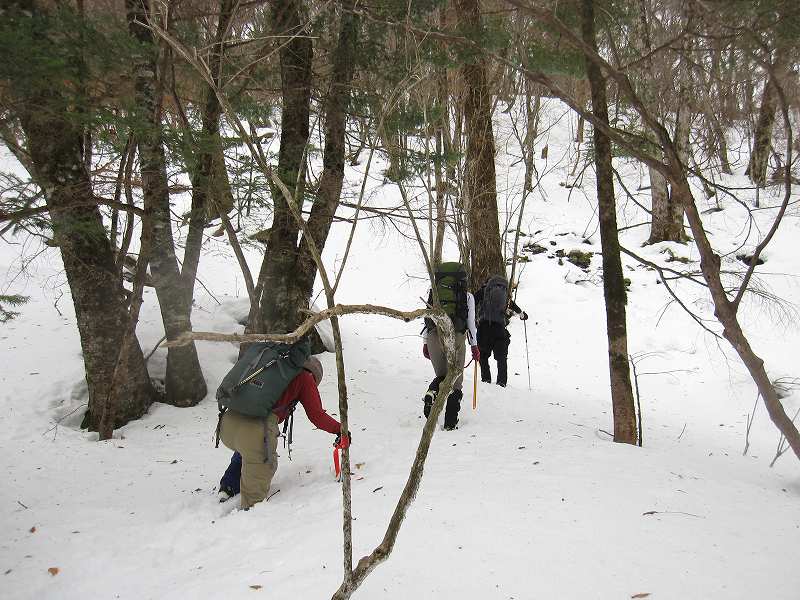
pixel 495 300
pixel 258 379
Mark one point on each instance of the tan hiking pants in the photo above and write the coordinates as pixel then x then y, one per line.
pixel 256 439
pixel 439 360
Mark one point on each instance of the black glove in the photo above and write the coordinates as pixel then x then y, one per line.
pixel 338 441
pixel 523 316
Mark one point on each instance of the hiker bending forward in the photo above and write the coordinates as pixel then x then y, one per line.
pixel 256 438
pixel 450 279
pixel 495 307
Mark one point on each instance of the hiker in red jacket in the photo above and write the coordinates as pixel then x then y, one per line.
pixel 255 439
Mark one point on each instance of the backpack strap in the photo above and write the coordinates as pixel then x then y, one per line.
pixel 266 440
pixel 288 423
pixel 255 373
pixel 219 427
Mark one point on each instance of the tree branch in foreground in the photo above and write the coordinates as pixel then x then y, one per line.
pixel 336 311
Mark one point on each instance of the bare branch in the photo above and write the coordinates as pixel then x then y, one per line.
pixel 26 213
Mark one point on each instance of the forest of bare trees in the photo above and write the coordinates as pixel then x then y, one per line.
pixel 115 108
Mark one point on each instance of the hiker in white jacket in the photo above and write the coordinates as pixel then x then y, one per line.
pixel 459 304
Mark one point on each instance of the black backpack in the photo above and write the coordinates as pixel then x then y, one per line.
pixel 258 379
pixel 495 299
pixel 450 279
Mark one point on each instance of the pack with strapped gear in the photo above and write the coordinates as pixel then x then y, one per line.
pixel 494 304
pixel 450 280
pixel 258 379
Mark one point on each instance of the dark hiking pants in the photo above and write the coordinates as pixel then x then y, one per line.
pixel 230 480
pixel 493 338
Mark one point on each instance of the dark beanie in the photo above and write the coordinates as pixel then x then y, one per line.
pixel 313 365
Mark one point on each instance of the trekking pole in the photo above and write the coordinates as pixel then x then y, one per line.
pixel 527 355
pixel 475 387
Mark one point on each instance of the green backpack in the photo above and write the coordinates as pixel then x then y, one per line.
pixel 258 379
pixel 450 279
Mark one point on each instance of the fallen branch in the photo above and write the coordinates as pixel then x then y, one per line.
pixel 670 512
pixel 336 311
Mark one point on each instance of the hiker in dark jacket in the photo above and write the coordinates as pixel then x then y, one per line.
pixel 255 439
pixel 494 309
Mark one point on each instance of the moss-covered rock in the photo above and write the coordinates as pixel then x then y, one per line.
pixel 521 258
pixel 580 259
pixel 533 248
pixel 748 259
pixel 672 257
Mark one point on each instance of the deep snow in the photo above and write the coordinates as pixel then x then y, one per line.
pixel 527 499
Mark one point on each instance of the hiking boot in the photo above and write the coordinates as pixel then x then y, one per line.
pixel 501 383
pixel 225 493
pixel 451 410
pixel 428 401
pixel 486 380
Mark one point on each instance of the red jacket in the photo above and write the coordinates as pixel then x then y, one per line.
pixel 303 389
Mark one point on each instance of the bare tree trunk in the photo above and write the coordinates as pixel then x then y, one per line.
pixel 440 191
pixel 726 312
pixel 97 295
pixel 115 394
pixel 185 385
pixel 660 220
pixel 280 304
pixel 480 186
pixel 125 156
pixel 54 144
pixel 666 223
pixel 391 145
pixel 332 178
pixel 613 282
pixel 667 211
pixel 211 192
pixel 762 143
pixel 531 133
pixel 442 170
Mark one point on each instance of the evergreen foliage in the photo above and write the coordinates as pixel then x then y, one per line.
pixel 14 300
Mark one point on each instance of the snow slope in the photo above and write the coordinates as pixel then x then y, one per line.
pixel 527 499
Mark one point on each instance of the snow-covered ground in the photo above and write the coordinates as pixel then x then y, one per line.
pixel 528 498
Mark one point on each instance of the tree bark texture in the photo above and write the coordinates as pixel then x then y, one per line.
pixel 281 298
pixel 106 428
pixel 480 186
pixel 666 224
pixel 184 382
pixel 613 282
pixel 330 184
pixel 762 142
pixel 211 193
pixel 54 144
pixel 441 168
